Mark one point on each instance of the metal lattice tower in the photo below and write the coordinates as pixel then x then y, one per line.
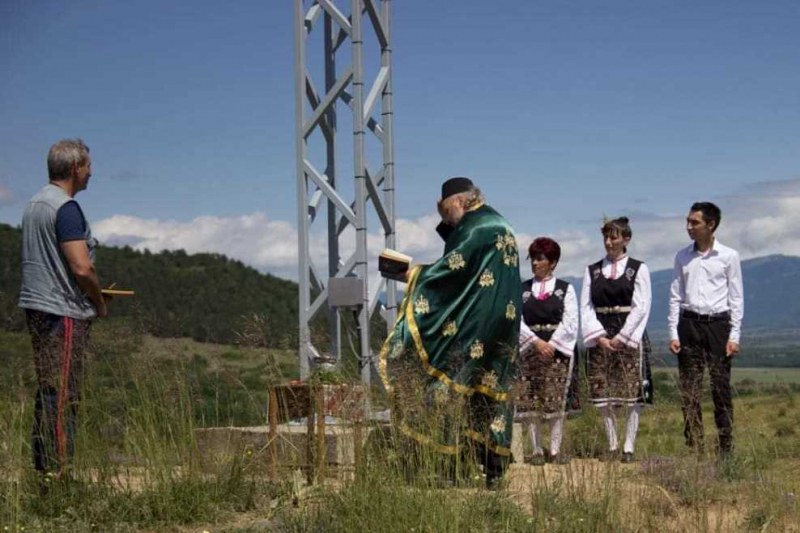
pixel 350 190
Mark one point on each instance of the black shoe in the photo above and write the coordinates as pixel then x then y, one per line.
pixel 495 483
pixel 46 481
pixel 558 459
pixel 610 455
pixel 538 460
pixel 725 456
pixel 627 458
pixel 696 447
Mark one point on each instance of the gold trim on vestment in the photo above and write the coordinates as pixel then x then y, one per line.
pixel 385 349
pixel 455 448
pixel 478 437
pixel 407 312
pixel 435 372
pixel 428 441
pixel 476 206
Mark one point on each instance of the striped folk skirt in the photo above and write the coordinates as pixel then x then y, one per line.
pixel 615 378
pixel 543 385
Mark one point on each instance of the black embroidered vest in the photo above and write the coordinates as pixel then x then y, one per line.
pixel 613 292
pixel 543 312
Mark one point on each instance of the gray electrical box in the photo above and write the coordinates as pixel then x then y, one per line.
pixel 345 292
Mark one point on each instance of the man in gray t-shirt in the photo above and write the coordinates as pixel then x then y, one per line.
pixel 61 295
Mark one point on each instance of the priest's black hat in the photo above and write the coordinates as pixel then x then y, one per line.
pixel 456 186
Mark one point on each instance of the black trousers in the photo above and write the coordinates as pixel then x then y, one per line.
pixel 59 344
pixel 703 345
pixel 494 464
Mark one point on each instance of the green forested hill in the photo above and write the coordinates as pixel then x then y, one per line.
pixel 207 297
pixel 211 298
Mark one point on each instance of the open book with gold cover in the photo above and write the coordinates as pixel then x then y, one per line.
pixel 393 264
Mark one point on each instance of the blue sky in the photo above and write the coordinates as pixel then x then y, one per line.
pixel 562 111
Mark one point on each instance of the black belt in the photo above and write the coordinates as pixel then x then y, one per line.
pixel 713 317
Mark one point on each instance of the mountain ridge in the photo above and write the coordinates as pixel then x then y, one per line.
pixel 767 305
pixel 210 297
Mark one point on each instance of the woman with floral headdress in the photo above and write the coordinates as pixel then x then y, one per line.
pixel 615 306
pixel 549 329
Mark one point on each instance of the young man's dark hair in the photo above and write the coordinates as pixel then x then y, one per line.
pixel 711 212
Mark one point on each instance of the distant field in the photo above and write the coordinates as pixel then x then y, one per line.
pixel 759 375
pixel 768 375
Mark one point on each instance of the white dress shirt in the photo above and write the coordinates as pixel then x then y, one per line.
pixel 566 334
pixel 633 329
pixel 707 284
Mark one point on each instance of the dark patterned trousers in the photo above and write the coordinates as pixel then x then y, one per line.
pixel 58 355
pixel 703 345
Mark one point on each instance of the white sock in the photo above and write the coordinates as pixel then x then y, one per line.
pixel 610 423
pixel 536 439
pixel 556 434
pixel 631 428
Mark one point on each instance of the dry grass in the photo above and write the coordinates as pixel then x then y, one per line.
pixel 137 467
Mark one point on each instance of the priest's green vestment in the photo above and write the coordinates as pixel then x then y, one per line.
pixel 449 361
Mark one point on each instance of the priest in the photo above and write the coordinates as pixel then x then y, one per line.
pixel 448 363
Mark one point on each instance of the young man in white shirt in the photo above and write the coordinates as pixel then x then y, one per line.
pixel 706 306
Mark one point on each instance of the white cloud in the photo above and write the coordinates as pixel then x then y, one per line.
pixel 268 245
pixel 6 197
pixel 769 223
pixel 254 239
pixel 763 220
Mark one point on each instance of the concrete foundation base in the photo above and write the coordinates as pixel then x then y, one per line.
pixel 219 447
pixel 517 447
pixel 292 449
